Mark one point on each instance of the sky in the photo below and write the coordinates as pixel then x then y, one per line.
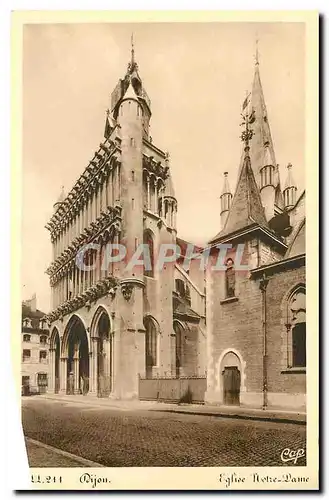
pixel 196 75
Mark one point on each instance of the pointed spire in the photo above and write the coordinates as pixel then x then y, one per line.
pixel 169 190
pixel 226 187
pixel 225 200
pixel 290 189
pixel 290 180
pixel 267 161
pixel 257 53
pixel 246 208
pixel 262 133
pixel 60 200
pixel 62 195
pixel 132 50
pixel 132 65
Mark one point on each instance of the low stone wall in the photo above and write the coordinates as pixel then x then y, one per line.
pixel 176 390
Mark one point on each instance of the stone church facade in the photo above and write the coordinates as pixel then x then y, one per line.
pixel 110 326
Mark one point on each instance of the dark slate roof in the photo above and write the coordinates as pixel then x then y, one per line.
pixel 181 308
pixel 246 209
pixel 28 313
pixel 297 244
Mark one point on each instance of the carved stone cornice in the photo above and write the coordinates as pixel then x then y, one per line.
pixel 156 168
pixel 108 222
pixel 96 172
pixel 102 287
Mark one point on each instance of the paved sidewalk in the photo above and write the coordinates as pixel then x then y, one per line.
pixel 273 414
pixel 41 453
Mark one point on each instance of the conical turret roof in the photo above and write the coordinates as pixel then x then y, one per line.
pixel 290 182
pixel 226 188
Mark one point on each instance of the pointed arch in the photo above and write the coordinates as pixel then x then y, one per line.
pixel 99 313
pixel 152 333
pixel 74 322
pixel 102 338
pixel 54 336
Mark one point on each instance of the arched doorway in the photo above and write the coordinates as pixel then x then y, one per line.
pixel 77 357
pixel 104 356
pixel 231 378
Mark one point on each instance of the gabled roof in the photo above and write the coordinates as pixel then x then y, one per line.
pixel 246 208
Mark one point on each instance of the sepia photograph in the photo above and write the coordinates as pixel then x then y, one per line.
pixel 163 229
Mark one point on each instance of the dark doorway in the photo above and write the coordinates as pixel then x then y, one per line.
pixel 42 383
pixel 78 359
pixel 231 385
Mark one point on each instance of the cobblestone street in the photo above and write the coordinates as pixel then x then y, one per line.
pixel 129 438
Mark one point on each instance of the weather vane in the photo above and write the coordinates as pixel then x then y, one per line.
pixel 248 117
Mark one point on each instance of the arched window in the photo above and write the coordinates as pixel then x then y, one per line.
pixel 230 279
pixel 179 333
pixel 149 263
pixel 297 328
pixel 151 345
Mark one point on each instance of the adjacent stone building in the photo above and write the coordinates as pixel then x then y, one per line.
pixel 256 314
pixel 35 335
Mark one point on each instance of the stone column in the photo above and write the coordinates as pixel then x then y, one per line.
pixel 63 374
pixel 76 372
pixel 162 203
pixel 51 379
pixel 155 196
pixel 148 193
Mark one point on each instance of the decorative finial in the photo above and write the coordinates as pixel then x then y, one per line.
pixel 257 53
pixel 247 119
